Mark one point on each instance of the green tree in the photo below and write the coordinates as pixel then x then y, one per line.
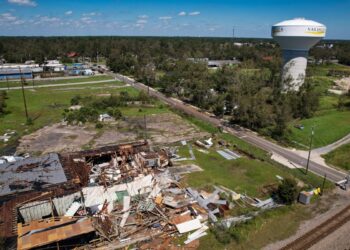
pixel 287 191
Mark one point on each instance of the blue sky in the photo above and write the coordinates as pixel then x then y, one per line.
pixel 251 18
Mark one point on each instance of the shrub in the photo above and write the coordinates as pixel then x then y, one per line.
pixel 99 125
pixel 287 191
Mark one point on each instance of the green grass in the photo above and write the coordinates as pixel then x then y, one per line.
pixel 339 157
pixel 4 84
pixel 242 175
pixel 46 105
pixel 323 69
pixel 328 102
pixel 329 127
pixel 271 226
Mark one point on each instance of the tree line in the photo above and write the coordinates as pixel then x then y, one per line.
pixel 248 93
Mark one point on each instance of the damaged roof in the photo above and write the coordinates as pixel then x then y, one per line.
pixel 31 174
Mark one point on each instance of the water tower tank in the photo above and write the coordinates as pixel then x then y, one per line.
pixel 296 37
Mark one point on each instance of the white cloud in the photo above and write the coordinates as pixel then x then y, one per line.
pixel 49 19
pixel 23 2
pixel 194 13
pixel 165 18
pixel 69 12
pixel 141 21
pixel 91 14
pixel 182 13
pixel 7 17
pixel 19 22
pixel 87 20
pixel 143 16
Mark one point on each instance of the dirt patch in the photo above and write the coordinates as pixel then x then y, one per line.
pixel 343 84
pixel 113 136
pixel 56 138
pixel 162 129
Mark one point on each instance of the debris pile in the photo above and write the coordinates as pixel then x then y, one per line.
pixel 112 197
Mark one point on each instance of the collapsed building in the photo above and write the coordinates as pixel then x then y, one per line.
pixel 56 185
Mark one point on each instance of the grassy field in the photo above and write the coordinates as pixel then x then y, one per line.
pixel 339 157
pixel 29 82
pixel 247 175
pixel 330 123
pixel 271 226
pixel 242 175
pixel 323 69
pixel 329 127
pixel 46 105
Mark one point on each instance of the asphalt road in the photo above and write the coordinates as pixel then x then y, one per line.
pixel 250 137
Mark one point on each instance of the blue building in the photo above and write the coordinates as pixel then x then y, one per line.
pixel 10 74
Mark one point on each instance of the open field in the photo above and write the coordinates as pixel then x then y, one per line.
pixel 46 105
pixel 162 129
pixel 330 124
pixel 339 157
pixel 29 82
pixel 329 127
pixel 324 69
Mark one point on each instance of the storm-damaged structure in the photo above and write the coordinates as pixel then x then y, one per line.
pixel 62 186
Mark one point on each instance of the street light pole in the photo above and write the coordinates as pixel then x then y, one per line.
pixel 24 96
pixel 308 158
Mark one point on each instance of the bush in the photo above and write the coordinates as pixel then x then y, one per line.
pixel 287 191
pixel 29 121
pixel 75 100
pixel 99 125
pixel 222 235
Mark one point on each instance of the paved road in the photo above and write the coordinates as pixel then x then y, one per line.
pixel 250 137
pixel 331 147
pixel 57 85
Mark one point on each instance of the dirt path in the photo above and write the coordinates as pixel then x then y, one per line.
pixel 338 240
pixel 323 210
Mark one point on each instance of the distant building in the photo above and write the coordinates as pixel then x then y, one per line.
pixel 221 63
pixel 214 63
pixel 53 66
pixel 72 54
pixel 10 74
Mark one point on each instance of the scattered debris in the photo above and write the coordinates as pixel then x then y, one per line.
pixel 105 118
pixel 228 154
pixel 112 197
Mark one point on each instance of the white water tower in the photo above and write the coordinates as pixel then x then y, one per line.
pixel 296 37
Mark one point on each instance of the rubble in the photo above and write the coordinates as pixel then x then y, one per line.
pixel 112 197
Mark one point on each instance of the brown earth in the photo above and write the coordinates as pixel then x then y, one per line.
pixel 161 129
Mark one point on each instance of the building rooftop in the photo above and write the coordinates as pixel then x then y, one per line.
pixel 32 173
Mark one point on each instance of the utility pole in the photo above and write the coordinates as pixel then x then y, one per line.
pixel 8 85
pixel 24 96
pixel 233 33
pixel 308 158
pixel 145 126
pixel 324 181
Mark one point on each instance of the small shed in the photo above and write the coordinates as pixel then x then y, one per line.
pixel 305 197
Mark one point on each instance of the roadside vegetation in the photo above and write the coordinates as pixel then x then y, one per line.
pixel 339 157
pixel 252 174
pixel 93 106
